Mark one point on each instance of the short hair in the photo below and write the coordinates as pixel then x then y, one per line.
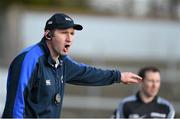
pixel 143 70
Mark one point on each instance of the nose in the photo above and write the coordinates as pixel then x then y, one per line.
pixel 69 38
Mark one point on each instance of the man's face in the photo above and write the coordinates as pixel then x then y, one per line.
pixel 62 40
pixel 151 83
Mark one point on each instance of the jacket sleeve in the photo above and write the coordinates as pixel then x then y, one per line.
pixel 19 74
pixel 166 103
pixel 119 112
pixel 171 113
pixel 81 74
pixel 12 85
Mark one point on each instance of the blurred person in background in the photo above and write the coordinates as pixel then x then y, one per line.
pixel 37 76
pixel 146 103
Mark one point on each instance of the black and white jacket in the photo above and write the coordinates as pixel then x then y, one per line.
pixel 134 107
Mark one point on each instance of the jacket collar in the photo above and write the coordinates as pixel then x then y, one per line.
pixel 140 100
pixel 50 61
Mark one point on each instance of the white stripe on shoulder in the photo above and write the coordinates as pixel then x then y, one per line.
pixel 130 98
pixel 161 100
pixel 119 111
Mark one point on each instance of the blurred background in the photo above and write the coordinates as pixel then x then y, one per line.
pixel 118 34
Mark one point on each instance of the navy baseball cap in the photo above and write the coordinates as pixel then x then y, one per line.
pixel 61 21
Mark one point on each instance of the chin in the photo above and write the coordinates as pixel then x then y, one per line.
pixel 64 53
pixel 153 94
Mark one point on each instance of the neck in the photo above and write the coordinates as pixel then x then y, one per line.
pixel 145 98
pixel 53 53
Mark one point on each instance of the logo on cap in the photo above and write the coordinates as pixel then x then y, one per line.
pixel 68 19
pixel 50 22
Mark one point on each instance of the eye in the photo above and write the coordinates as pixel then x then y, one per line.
pixel 72 33
pixel 64 32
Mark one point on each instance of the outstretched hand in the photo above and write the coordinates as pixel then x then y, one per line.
pixel 130 78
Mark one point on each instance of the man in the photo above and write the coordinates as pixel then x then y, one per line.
pixel 146 103
pixel 37 76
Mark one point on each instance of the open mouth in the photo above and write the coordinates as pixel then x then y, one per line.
pixel 66 48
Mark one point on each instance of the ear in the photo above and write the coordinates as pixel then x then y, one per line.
pixel 47 35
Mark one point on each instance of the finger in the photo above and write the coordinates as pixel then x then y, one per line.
pixel 137 79
pixel 132 80
pixel 136 76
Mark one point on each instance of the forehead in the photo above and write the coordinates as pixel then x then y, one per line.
pixel 152 75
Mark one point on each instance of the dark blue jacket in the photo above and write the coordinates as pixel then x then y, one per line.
pixel 34 79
